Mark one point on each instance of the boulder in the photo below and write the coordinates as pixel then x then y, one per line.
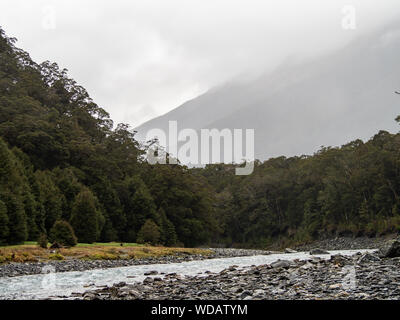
pixel 55 245
pixel 151 273
pixel 391 250
pixel 119 284
pixel 281 264
pixel 90 296
pixel 288 250
pixel 318 251
pixel 148 280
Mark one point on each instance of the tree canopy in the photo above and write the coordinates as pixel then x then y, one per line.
pixel 63 159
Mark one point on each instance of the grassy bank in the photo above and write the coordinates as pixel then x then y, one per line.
pixel 31 252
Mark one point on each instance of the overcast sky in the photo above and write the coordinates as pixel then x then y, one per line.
pixel 140 59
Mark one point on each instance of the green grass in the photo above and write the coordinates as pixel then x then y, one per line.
pixel 108 244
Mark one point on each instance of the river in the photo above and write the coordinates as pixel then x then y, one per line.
pixel 53 285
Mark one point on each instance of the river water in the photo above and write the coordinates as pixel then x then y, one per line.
pixel 52 285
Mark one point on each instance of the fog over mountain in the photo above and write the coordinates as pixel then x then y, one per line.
pixel 301 106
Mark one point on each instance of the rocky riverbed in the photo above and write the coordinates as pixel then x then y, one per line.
pixel 361 276
pixel 347 243
pixel 20 269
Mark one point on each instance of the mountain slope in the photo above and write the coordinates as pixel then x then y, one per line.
pixel 331 100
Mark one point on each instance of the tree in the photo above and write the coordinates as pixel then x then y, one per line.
pixel 138 206
pixel 16 220
pixel 167 230
pixel 50 197
pixel 86 219
pixel 4 231
pixel 149 233
pixel 12 195
pixel 63 234
pixel 42 241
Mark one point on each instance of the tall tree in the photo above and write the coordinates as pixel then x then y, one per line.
pixel 4 231
pixel 86 218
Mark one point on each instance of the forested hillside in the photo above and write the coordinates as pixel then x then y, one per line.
pixel 350 191
pixel 61 158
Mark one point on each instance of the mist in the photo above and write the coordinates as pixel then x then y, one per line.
pixel 141 59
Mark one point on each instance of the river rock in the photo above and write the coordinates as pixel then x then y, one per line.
pixel 340 260
pixel 120 284
pixel 245 294
pixel 316 279
pixel 258 292
pixel 368 257
pixel 21 269
pixel 391 250
pixel 148 280
pixel 288 250
pixel 318 251
pixel 281 264
pixel 90 296
pixel 335 286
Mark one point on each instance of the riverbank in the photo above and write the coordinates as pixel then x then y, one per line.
pixel 347 243
pixel 361 276
pixel 169 255
pixel 30 259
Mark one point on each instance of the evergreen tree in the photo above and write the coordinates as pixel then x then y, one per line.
pixel 4 231
pixel 16 220
pixel 11 194
pixel 61 158
pixel 42 241
pixel 86 218
pixel 149 233
pixel 50 197
pixel 168 235
pixel 138 206
pixel 63 234
pixel 34 221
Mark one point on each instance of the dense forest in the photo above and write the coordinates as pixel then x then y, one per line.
pixel 62 158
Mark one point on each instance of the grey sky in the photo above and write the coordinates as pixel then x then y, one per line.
pixel 140 59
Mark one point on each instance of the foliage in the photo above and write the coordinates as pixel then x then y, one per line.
pixel 56 256
pixel 62 158
pixel 149 233
pixel 3 223
pixel 86 219
pixel 42 241
pixel 63 234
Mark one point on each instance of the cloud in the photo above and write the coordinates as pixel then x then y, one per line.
pixel 140 59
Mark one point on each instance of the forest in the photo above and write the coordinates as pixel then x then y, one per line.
pixel 63 159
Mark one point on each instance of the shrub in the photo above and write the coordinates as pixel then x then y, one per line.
pixel 56 256
pixel 62 233
pixel 149 233
pixel 42 241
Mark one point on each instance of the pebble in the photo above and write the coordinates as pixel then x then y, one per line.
pixel 21 269
pixel 297 280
